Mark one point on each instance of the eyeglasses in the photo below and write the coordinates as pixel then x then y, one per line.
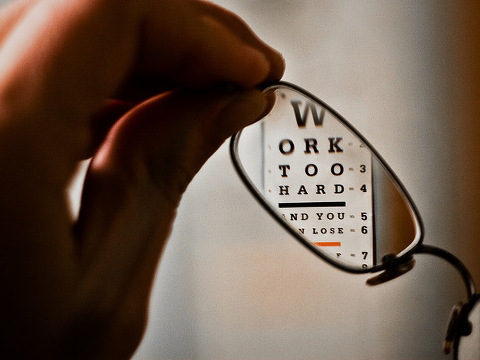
pixel 332 191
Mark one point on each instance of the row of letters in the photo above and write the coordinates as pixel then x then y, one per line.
pixel 311 170
pixel 333 230
pixel 318 189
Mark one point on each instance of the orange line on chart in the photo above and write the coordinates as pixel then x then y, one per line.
pixel 329 243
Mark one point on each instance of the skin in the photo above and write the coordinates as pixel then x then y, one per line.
pixel 141 87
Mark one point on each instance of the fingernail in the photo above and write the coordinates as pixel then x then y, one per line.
pixel 278 68
pixel 244 109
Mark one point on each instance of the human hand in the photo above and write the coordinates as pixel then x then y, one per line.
pixel 149 76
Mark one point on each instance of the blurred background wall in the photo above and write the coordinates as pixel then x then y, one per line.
pixel 232 285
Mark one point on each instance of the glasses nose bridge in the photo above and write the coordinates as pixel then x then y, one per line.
pixel 394 267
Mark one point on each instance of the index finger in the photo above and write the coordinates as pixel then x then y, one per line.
pixel 245 33
pixel 206 44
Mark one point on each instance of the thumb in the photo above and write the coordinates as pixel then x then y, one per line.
pixel 168 138
pixel 130 196
pixel 136 181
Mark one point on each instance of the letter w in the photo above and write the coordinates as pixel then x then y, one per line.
pixel 302 118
